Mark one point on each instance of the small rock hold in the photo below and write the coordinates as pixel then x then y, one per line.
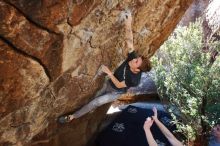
pixel 141 1
pixel 144 31
pixel 79 2
pixel 111 4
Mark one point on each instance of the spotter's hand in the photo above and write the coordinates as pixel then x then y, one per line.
pixel 148 123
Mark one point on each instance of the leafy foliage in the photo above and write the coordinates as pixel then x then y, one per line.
pixel 185 76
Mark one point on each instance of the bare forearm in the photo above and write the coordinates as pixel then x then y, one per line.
pixel 164 130
pixel 116 82
pixel 172 139
pixel 129 38
pixel 150 139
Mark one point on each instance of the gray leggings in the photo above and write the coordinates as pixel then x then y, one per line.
pixel 105 95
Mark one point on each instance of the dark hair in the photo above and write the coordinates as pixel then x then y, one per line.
pixel 146 64
pixel 132 55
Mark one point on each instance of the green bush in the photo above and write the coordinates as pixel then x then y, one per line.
pixel 186 79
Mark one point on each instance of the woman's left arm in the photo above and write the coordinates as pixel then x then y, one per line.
pixel 115 81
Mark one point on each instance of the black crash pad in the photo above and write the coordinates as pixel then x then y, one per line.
pixel 127 128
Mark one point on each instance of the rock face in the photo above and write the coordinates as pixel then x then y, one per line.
pixel 208 11
pixel 50 51
pixel 212 19
pixel 195 11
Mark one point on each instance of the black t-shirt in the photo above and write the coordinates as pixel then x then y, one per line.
pixel 123 73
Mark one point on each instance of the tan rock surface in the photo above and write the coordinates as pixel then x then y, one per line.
pixel 22 80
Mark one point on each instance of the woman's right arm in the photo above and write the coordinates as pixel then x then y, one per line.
pixel 171 138
pixel 128 34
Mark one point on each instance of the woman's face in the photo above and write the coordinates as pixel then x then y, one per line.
pixel 216 131
pixel 136 63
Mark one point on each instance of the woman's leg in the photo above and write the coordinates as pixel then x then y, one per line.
pixel 102 91
pixel 98 101
pixel 105 95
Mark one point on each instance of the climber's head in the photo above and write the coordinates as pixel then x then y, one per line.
pixel 139 63
pixel 216 131
pixel 135 64
pixel 146 64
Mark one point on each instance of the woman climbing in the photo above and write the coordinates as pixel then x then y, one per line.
pixel 128 74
